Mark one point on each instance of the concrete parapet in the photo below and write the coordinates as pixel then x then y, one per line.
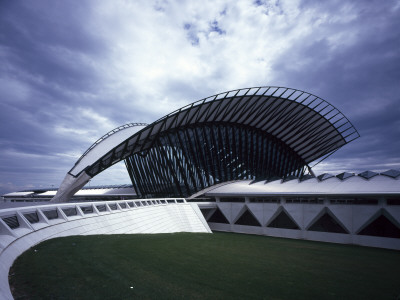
pixel 24 227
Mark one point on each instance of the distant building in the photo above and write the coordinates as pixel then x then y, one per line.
pixel 88 193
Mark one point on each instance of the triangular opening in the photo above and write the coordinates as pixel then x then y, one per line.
pixel 345 175
pixel 325 176
pixel 391 173
pixel 247 218
pixel 381 226
pixel 206 212
pixel 367 174
pixel 306 177
pixel 218 217
pixel 327 223
pixel 282 220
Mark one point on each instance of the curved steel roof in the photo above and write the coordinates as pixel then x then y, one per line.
pixel 307 124
pixel 104 144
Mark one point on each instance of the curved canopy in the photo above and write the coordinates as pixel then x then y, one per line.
pixel 104 144
pixel 305 124
pixel 76 178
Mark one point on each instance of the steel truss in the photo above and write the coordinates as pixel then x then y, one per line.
pixel 252 133
pixel 186 160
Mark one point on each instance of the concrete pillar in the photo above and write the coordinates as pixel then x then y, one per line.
pixel 70 186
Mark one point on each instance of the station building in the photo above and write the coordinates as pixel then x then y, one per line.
pixel 247 134
pixel 240 161
pixel 245 158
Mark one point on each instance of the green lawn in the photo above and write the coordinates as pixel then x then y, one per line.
pixel 203 266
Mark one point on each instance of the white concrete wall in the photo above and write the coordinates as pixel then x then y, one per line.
pixel 176 216
pixel 352 217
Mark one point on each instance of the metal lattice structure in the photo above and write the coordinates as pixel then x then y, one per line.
pixel 253 133
pixel 186 160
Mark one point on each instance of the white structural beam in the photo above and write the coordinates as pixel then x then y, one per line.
pixel 103 145
pixel 70 186
pixel 76 178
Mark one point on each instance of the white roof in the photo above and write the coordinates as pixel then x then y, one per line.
pixel 88 191
pixel 97 192
pixel 104 145
pixel 108 191
pixel 48 193
pixel 15 194
pixel 355 185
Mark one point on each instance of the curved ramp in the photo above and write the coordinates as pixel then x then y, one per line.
pixel 22 228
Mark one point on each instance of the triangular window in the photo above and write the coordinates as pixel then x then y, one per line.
pixel 247 218
pixel 345 175
pixel 282 220
pixel 381 226
pixel 391 173
pixel 218 217
pixel 206 212
pixel 327 223
pixel 367 174
pixel 325 176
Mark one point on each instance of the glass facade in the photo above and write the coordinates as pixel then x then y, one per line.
pixel 186 160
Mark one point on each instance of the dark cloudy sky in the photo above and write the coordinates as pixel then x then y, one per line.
pixel 70 71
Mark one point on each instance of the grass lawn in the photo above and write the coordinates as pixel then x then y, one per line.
pixel 203 266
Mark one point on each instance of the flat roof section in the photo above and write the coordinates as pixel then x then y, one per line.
pixel 354 185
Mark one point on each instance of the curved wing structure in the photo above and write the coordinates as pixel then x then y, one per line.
pixel 76 178
pixel 253 133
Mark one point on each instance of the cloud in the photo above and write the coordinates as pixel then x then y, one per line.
pixel 70 72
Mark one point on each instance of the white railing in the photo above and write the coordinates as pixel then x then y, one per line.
pixel 24 227
pixel 18 221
